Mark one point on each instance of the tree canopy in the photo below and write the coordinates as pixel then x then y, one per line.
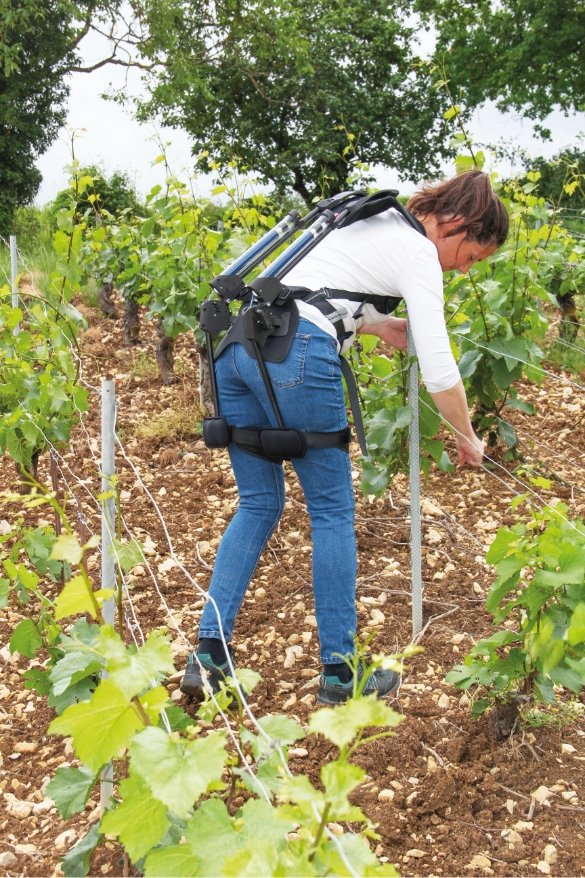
pixel 114 192
pixel 281 84
pixel 528 55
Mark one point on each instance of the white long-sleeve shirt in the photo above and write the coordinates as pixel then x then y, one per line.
pixel 385 256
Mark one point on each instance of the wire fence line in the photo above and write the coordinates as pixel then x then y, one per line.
pixel 507 356
pixel 548 448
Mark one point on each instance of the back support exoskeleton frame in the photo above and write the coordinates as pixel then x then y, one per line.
pixel 267 321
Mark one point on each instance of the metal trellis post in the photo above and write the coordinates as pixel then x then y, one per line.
pixel 414 464
pixel 13 275
pixel 108 406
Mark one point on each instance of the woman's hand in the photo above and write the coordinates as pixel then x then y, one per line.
pixel 392 331
pixel 470 450
pixel 452 405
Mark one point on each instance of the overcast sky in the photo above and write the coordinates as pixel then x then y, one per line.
pixel 115 141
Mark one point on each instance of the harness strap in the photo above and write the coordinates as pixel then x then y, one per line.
pixel 382 304
pixel 276 444
pixel 354 403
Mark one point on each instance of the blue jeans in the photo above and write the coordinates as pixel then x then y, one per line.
pixel 309 392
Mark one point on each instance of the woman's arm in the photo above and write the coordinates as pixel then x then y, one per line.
pixel 392 331
pixel 452 403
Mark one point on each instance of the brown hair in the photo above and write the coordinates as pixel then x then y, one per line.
pixel 468 197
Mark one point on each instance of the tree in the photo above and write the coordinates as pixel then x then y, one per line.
pixel 280 86
pixel 39 46
pixel 32 98
pixel 525 54
pixel 115 193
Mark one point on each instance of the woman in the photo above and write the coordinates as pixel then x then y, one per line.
pixel 463 222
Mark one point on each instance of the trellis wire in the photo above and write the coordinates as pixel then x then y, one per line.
pixel 526 488
pixel 519 360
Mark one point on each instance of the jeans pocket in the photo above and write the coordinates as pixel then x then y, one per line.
pixel 291 371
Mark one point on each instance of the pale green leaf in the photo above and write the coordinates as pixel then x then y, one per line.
pixel 74 599
pixel 132 669
pixel 140 820
pixel 70 789
pixel 99 727
pixel 25 639
pixel 76 861
pixel 66 548
pixel 178 771
pixel 341 724
pixel 172 862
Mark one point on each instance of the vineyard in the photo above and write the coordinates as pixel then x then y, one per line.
pixel 475 767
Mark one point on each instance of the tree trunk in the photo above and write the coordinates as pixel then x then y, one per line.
pixel 205 396
pixel 105 303
pixel 165 356
pixel 33 470
pixel 131 324
pixel 569 320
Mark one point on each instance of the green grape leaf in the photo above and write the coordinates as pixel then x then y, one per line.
pixel 543 689
pixel 212 835
pixel 280 728
pixel 356 853
pixel 576 632
pixel 82 632
pixel 37 680
pixel 172 862
pixel 374 479
pixel 468 362
pixel 25 639
pixel 507 433
pixel 178 771
pixel 248 679
pixel 74 599
pixel 70 789
pixel 99 727
pixel 260 840
pixel 480 706
pixel 429 418
pixel 81 691
pixel 72 668
pixel 131 669
pixel 177 718
pixel 502 545
pixel 67 548
pixel 128 555
pixel 340 779
pixel 139 820
pixel 341 725
pixel 76 861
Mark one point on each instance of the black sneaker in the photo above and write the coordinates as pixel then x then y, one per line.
pixel 202 669
pixel 333 691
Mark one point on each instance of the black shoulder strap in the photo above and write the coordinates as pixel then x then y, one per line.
pixel 372 205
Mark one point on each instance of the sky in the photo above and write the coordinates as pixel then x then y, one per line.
pixel 107 135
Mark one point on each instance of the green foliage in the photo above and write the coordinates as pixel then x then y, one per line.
pixel 70 789
pixel 173 788
pixel 273 93
pixel 40 392
pixel 114 193
pixel 532 55
pixel 539 599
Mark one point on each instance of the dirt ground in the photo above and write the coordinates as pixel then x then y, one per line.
pixel 455 801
